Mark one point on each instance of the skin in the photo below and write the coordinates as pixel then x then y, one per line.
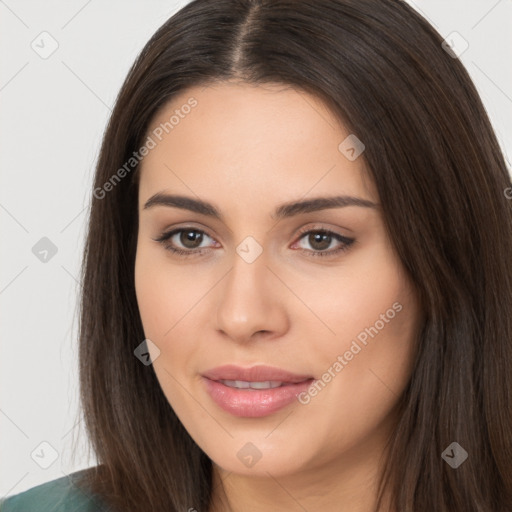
pixel 247 149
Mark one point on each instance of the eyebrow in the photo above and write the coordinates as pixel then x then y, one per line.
pixel 282 211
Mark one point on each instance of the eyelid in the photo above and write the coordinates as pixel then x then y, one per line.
pixel 321 227
pixel 345 242
pixel 188 226
pixel 167 234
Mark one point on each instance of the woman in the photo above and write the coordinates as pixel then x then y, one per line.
pixel 296 288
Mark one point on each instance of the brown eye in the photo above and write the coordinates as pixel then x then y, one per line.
pixel 190 237
pixel 184 241
pixel 321 239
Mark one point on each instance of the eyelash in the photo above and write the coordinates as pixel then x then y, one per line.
pixel 346 242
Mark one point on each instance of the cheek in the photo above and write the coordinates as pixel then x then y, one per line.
pixel 365 367
pixel 371 312
pixel 351 297
pixel 164 299
pixel 170 297
pixel 164 293
pixel 152 296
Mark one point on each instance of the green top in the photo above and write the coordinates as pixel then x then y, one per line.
pixel 59 495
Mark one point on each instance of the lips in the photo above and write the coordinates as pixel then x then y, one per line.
pixel 253 392
pixel 254 374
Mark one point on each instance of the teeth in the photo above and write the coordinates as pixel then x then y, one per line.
pixel 242 384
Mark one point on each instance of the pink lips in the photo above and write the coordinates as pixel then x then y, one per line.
pixel 253 403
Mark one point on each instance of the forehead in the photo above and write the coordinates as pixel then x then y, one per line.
pixel 248 139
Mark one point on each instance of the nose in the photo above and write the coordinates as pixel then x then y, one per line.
pixel 251 302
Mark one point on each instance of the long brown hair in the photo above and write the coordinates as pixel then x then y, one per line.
pixel 441 177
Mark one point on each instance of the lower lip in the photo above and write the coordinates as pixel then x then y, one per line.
pixel 254 403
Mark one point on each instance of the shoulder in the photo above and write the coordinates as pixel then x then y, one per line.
pixel 59 495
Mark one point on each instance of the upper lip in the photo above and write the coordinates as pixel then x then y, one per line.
pixel 258 373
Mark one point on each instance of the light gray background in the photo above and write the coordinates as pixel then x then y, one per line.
pixel 54 112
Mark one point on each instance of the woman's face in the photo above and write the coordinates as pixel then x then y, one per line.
pixel 262 285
